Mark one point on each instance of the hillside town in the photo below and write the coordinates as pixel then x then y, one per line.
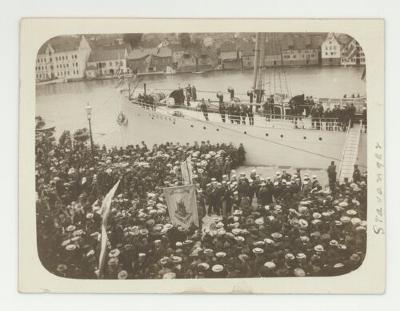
pixel 85 57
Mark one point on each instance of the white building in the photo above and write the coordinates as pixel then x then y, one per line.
pixel 330 50
pixel 352 54
pixel 62 58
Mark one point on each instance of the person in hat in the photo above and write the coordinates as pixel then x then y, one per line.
pixel 332 176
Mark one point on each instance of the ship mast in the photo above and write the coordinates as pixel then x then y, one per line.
pixel 259 61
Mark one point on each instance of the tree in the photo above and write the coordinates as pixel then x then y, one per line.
pixel 132 39
pixel 184 39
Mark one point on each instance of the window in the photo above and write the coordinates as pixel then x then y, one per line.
pixel 76 64
pixel 77 72
pixel 110 63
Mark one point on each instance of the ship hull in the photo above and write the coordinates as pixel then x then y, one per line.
pixel 264 146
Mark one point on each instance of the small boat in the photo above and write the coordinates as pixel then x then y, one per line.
pixel 122 120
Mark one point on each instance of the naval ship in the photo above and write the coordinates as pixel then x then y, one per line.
pixel 277 139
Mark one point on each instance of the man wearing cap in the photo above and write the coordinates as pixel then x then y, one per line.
pixel 203 108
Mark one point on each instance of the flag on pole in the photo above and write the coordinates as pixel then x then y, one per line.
pixel 186 171
pixel 105 211
pixel 182 205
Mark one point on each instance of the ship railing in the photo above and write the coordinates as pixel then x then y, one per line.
pixel 303 122
pixel 263 120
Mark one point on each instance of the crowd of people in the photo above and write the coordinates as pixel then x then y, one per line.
pixel 283 225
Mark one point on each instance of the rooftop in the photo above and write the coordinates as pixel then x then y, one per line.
pixel 105 54
pixel 61 44
pixel 139 53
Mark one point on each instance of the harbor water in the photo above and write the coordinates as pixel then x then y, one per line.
pixel 63 105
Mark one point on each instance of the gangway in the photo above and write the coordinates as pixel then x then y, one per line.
pixel 350 152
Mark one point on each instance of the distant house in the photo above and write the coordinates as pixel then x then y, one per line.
pixel 107 61
pixel 273 54
pixel 229 56
pixel 187 62
pixel 144 60
pixel 136 59
pixel 160 60
pixel 177 53
pixel 63 58
pixel 300 51
pixel 331 51
pixel 206 59
pixel 352 54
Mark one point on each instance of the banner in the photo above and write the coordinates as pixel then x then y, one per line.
pixel 182 205
pixel 105 211
pixel 186 170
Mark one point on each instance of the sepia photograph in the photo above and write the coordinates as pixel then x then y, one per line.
pixel 202 155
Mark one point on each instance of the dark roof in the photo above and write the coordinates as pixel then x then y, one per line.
pixel 176 47
pixel 107 54
pixel 316 41
pixel 342 38
pixel 139 53
pixel 62 44
pixel 164 52
pixel 228 46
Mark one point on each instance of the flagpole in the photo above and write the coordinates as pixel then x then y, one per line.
pixel 105 211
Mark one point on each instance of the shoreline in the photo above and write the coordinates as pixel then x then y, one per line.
pixel 179 73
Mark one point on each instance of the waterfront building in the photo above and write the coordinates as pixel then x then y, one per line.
pixel 107 61
pixel 331 50
pixel 229 56
pixel 300 50
pixel 300 57
pixel 147 60
pixel 136 59
pixel 160 60
pixel 187 62
pixel 247 55
pixel 63 58
pixel 352 54
pixel 206 59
